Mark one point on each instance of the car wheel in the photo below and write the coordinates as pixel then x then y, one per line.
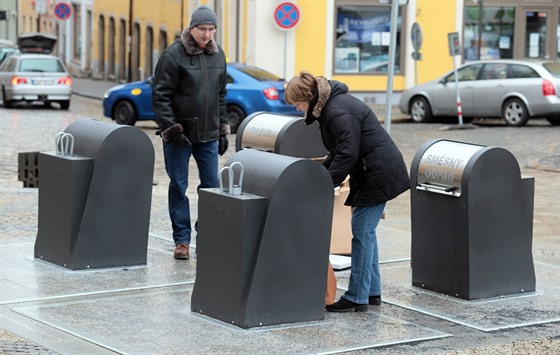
pixel 554 120
pixel 7 103
pixel 420 110
pixel 515 113
pixel 64 104
pixel 124 113
pixel 235 116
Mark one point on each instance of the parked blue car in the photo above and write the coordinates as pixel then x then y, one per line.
pixel 249 89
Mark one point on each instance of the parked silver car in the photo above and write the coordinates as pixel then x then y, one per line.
pixel 31 75
pixel 515 90
pixel 6 48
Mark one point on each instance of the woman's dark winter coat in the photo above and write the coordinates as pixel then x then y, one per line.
pixel 359 146
pixel 189 89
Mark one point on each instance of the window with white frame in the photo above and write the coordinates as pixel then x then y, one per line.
pixel 362 38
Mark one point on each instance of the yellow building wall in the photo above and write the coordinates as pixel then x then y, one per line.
pixel 244 32
pixel 436 19
pixel 310 37
pixel 311 49
pixel 169 15
pixel 147 12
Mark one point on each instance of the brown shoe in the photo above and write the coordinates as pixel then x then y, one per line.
pixel 181 252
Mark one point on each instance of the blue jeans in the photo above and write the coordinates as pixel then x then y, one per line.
pixel 365 279
pixel 177 166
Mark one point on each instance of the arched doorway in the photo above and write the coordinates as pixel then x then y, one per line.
pixel 122 50
pixel 101 43
pixel 112 35
pixel 149 52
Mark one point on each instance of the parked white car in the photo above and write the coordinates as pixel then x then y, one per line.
pixel 512 89
pixel 32 75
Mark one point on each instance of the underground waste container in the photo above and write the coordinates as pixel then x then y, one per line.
pixel 94 200
pixel 289 135
pixel 472 221
pixel 262 253
pixel 280 134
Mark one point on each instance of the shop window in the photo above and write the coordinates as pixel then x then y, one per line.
pixel 535 39
pixel 496 34
pixel 362 39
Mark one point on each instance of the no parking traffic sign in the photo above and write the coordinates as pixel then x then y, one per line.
pixel 287 15
pixel 62 11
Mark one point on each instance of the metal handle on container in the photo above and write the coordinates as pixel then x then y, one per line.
pixel 233 189
pixel 64 144
pixel 445 190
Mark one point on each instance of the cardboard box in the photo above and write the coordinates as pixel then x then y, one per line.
pixel 341 235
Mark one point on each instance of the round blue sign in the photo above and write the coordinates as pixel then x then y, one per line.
pixel 62 11
pixel 286 15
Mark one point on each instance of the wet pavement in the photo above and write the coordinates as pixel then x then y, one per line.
pixel 45 309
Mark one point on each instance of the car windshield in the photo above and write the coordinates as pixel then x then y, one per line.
pixel 553 68
pixel 259 74
pixel 42 65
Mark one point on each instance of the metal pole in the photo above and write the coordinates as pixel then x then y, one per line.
pixel 479 46
pixel 459 107
pixel 285 54
pixel 391 67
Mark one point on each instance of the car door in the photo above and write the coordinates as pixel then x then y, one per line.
pixel 490 89
pixel 444 95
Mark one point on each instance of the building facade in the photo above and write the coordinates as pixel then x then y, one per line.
pixel 8 20
pixel 347 40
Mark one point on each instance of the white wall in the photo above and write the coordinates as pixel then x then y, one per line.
pixel 273 48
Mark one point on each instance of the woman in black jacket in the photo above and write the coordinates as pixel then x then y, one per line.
pixel 360 147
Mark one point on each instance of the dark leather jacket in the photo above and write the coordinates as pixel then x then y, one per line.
pixel 359 146
pixel 189 88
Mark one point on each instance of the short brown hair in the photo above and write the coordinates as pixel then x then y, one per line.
pixel 300 88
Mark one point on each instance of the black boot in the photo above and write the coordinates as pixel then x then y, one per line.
pixel 343 305
pixel 375 300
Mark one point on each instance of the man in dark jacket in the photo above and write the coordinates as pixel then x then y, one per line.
pixel 189 89
pixel 360 147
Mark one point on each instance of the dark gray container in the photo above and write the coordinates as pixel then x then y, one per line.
pixel 94 204
pixel 472 221
pixel 257 250
pixel 280 134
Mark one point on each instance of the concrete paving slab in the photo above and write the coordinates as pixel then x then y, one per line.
pixel 111 308
pixel 497 313
pixel 32 279
pixel 160 321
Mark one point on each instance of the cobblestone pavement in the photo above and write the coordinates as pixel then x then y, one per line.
pixel 536 147
pixel 13 344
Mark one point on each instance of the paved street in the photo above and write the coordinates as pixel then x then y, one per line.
pixel 85 312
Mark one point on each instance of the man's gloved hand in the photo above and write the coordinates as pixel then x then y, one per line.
pixel 222 144
pixel 174 135
pixel 181 140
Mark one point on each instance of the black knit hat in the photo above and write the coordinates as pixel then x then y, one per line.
pixel 203 16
